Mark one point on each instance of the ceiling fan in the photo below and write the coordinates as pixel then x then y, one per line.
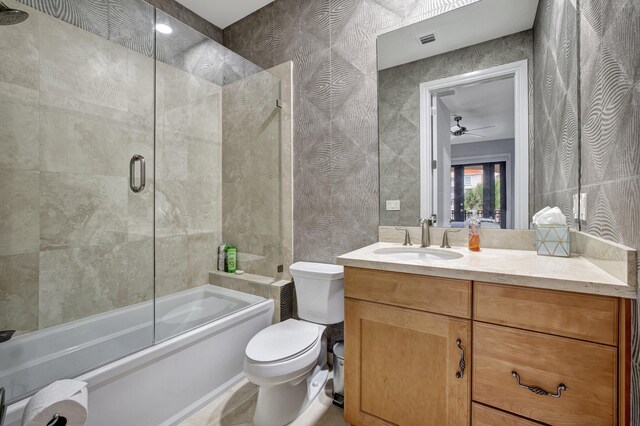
pixel 459 130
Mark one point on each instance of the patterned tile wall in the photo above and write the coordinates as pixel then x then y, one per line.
pixel 610 145
pixel 556 150
pixel 194 46
pixel 332 44
pixel 399 118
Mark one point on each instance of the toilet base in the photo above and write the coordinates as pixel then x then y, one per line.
pixel 281 404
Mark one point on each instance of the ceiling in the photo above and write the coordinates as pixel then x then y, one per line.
pixel 223 13
pixel 487 103
pixel 468 25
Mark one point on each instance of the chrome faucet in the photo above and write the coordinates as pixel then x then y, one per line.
pixel 407 237
pixel 445 237
pixel 426 224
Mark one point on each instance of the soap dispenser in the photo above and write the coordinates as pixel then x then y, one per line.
pixel 474 232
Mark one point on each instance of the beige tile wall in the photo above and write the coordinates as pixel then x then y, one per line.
pixel 188 179
pixel 256 171
pixel 74 240
pixel 75 108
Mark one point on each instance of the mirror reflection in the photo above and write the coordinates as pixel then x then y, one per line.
pixel 456 113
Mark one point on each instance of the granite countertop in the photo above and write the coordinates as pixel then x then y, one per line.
pixel 516 267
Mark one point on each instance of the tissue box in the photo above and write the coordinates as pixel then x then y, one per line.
pixel 553 240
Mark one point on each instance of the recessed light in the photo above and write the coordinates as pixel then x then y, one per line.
pixel 164 29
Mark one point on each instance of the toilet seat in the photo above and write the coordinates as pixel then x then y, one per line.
pixel 278 365
pixel 282 341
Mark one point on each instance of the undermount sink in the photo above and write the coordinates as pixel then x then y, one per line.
pixel 410 253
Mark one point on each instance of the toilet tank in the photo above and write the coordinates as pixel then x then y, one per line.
pixel 319 291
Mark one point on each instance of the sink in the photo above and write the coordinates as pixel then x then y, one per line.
pixel 409 253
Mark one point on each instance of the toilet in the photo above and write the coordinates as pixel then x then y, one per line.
pixel 288 360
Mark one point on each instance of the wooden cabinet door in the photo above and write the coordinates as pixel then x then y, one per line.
pixel 402 366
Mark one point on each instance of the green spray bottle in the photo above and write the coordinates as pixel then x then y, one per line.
pixel 231 259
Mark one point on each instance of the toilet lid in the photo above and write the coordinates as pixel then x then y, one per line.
pixel 283 340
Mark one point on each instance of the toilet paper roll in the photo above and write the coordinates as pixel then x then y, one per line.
pixel 68 398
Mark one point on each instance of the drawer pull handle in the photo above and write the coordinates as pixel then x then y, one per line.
pixel 462 364
pixel 537 390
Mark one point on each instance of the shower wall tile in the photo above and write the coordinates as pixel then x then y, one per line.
pixel 140 213
pixel 172 155
pixel 19 220
pixel 171 207
pixel 202 253
pixel 19 288
pixel 79 282
pixel 90 143
pixel 19 106
pixel 198 55
pixel 19 54
pixel 188 201
pixel 81 210
pixel 67 52
pixel 89 99
pixel 126 22
pixel 131 24
pixel 256 146
pixel 172 264
pixel 90 15
pixel 194 46
pixel 204 211
pixel 204 160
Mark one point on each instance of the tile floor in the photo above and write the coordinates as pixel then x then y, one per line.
pixel 237 405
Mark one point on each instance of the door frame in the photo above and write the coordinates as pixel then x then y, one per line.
pixel 493 158
pixel 428 178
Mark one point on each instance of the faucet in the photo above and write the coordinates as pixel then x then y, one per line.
pixel 407 237
pixel 445 237
pixel 426 224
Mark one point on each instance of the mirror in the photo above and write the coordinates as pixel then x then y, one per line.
pixel 477 114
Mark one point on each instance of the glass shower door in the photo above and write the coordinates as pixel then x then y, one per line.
pixel 217 176
pixel 76 232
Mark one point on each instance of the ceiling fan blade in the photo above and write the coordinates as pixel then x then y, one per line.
pixel 480 128
pixel 474 135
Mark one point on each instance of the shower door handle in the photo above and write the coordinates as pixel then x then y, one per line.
pixel 132 173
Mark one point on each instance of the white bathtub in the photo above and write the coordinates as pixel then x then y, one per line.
pixel 160 385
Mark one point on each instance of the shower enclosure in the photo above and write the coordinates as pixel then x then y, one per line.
pixel 131 147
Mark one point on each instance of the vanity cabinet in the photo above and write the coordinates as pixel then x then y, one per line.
pixel 406 366
pixel 423 350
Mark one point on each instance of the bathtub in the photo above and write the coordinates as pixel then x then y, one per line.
pixel 159 385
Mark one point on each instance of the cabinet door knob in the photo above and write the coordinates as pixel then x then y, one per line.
pixel 537 390
pixel 462 364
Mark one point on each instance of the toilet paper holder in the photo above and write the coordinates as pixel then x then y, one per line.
pixel 57 420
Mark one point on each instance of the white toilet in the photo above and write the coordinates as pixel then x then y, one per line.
pixel 288 360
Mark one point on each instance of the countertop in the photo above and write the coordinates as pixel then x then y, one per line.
pixel 516 267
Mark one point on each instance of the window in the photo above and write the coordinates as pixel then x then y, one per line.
pixel 470 193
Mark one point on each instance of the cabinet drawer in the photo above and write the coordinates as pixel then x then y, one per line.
pixel 486 416
pixel 588 370
pixel 582 316
pixel 432 294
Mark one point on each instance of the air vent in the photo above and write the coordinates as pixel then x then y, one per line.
pixel 428 38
